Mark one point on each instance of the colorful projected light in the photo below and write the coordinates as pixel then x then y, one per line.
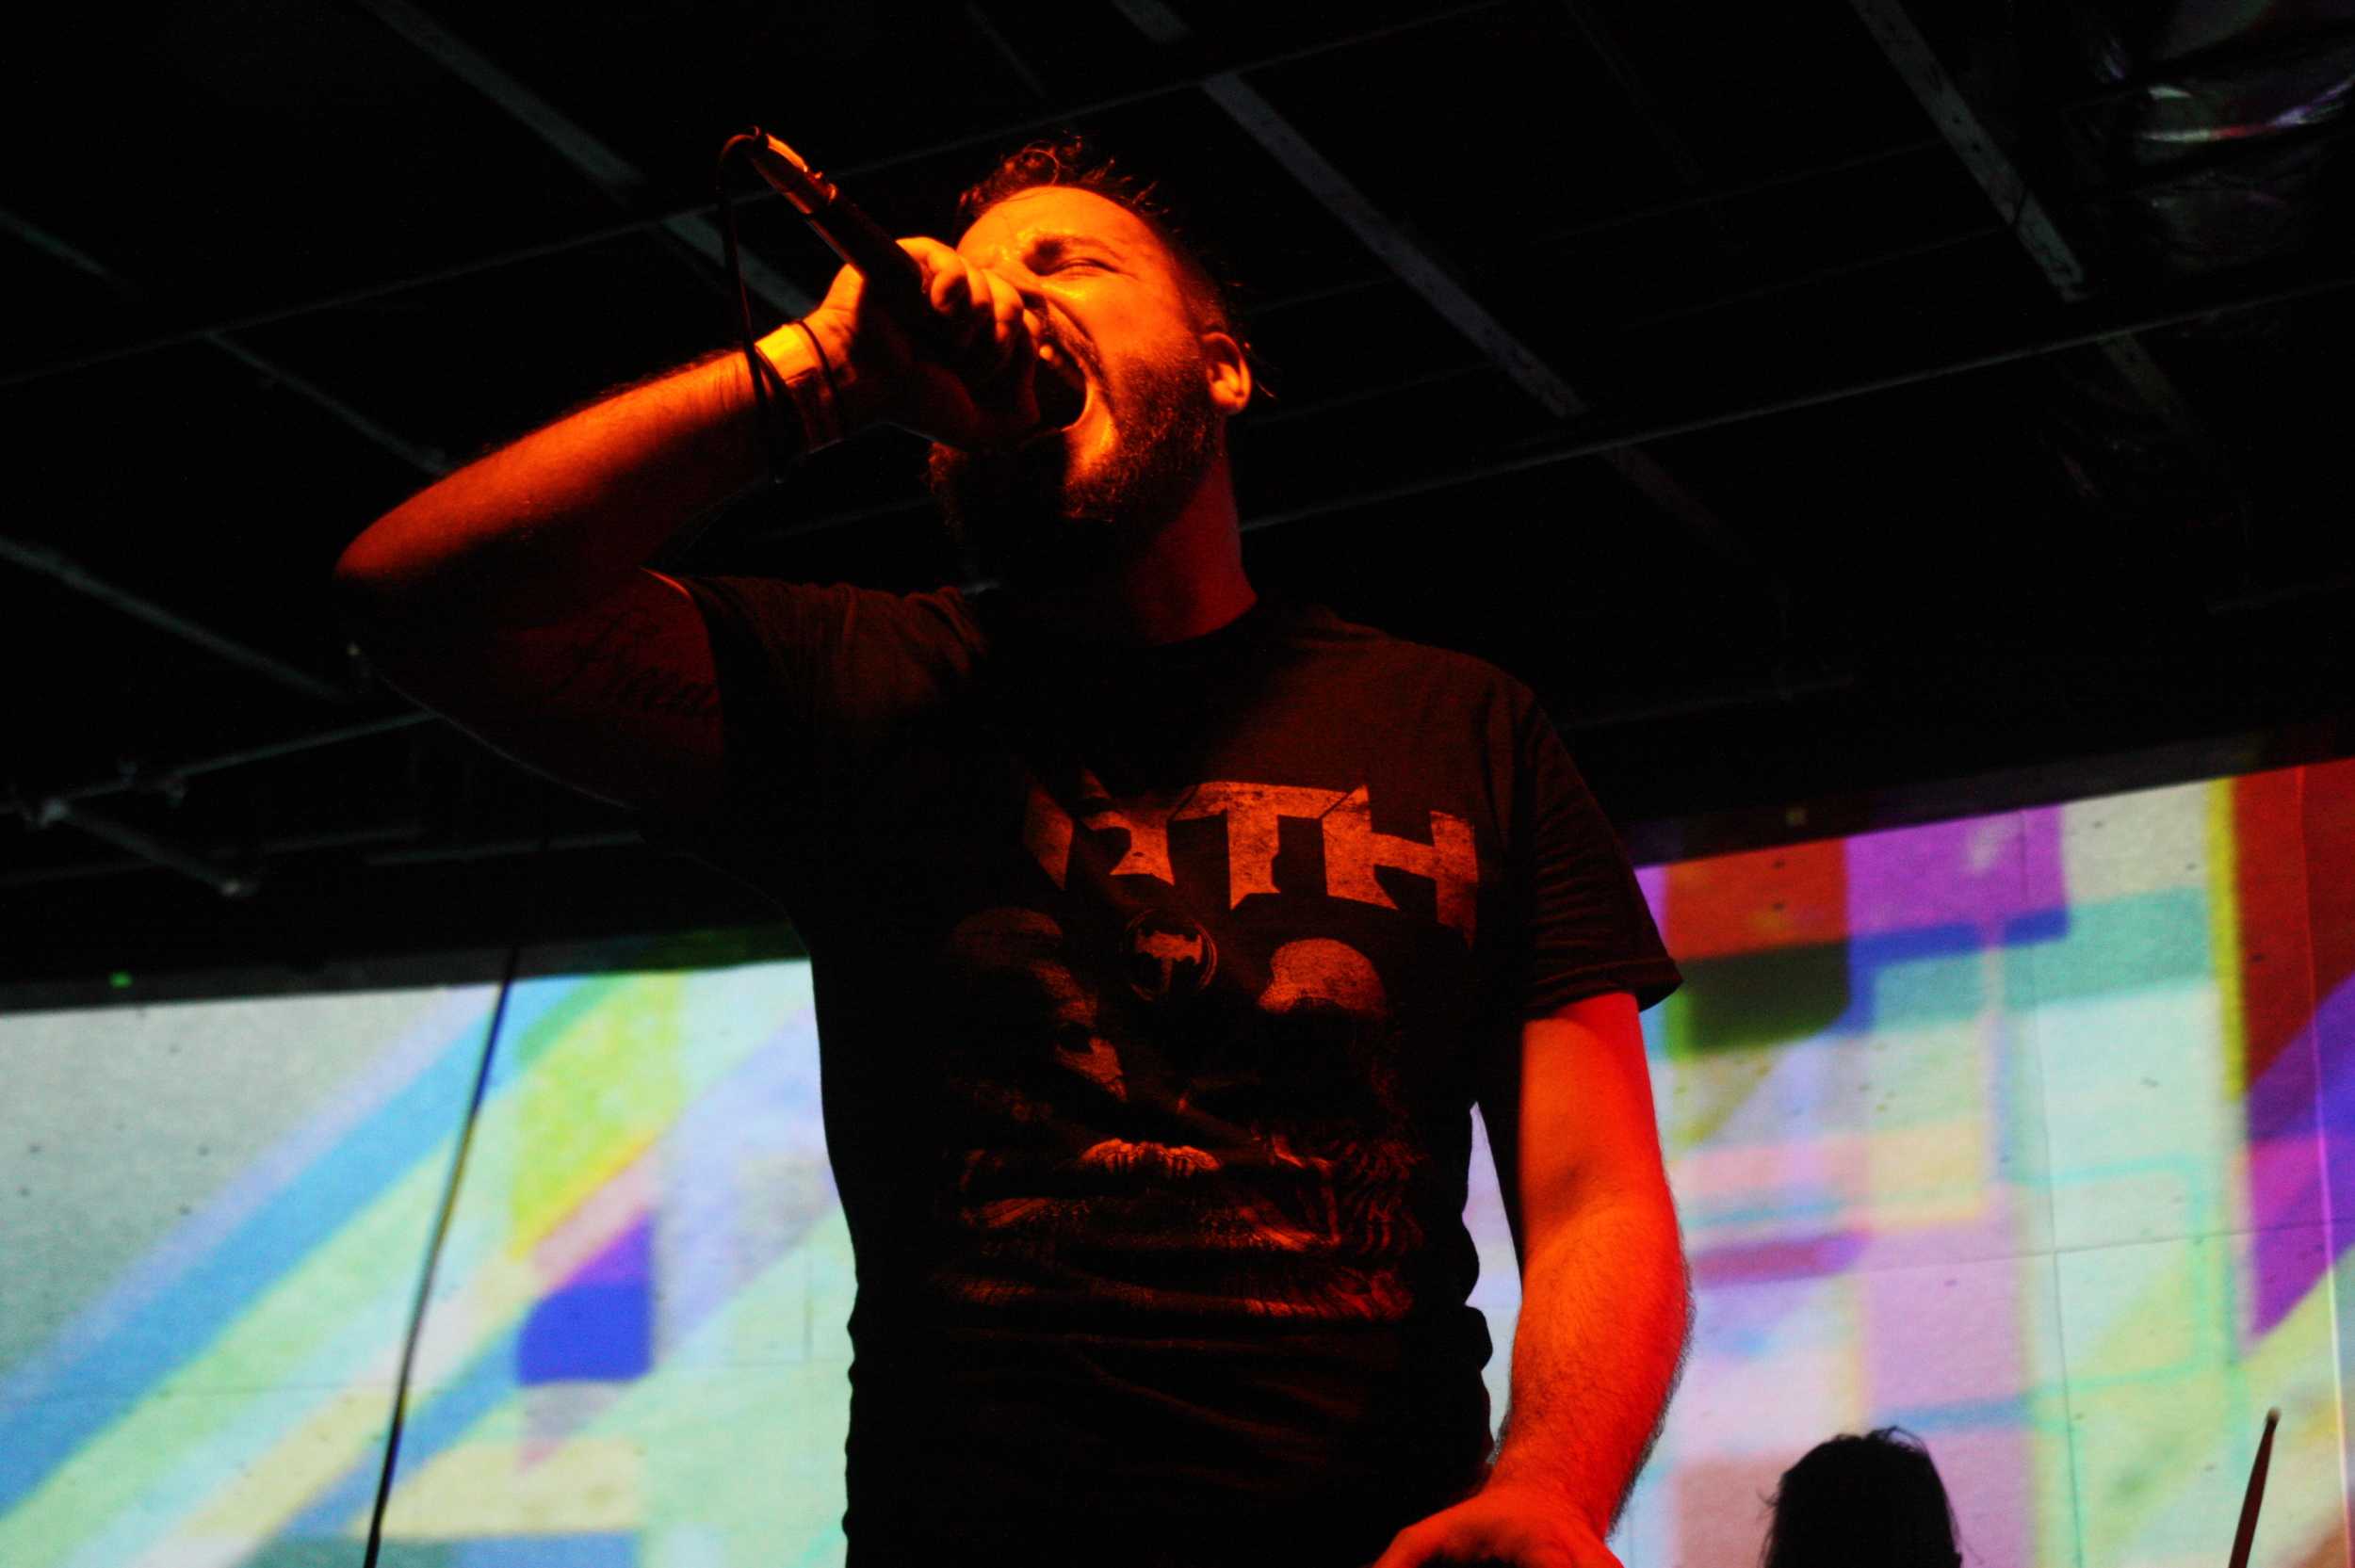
pixel 2025 1132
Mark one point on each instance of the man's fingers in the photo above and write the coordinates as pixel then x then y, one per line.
pixel 937 265
pixel 984 329
pixel 950 290
pixel 1014 344
pixel 1471 1533
pixel 994 334
pixel 965 377
pixel 977 289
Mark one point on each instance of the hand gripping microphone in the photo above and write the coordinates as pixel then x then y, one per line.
pixel 893 280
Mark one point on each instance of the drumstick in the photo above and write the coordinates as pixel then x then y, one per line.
pixel 2247 1534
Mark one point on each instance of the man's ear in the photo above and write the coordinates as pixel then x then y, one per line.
pixel 1228 370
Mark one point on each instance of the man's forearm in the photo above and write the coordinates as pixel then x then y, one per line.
pixel 561 516
pixel 1605 1307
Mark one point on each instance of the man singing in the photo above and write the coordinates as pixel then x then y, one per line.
pixel 1164 934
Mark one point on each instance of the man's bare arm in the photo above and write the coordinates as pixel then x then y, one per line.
pixel 1605 1306
pixel 547 525
pixel 511 597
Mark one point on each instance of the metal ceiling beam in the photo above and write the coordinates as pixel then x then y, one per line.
pixel 1910 54
pixel 1076 111
pixel 428 459
pixel 368 840
pixel 360 294
pixel 1022 70
pixel 1067 115
pixel 149 846
pixel 171 779
pixel 1422 272
pixel 623 182
pixel 1064 114
pixel 1291 413
pixel 1607 47
pixel 1542 456
pixel 2150 319
pixel 604 838
pixel 297 843
pixel 55 565
pixel 1710 196
pixel 269 315
pixel 1603 43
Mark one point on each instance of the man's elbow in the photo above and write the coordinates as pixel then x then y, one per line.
pixel 395 583
pixel 1634 1219
pixel 366 583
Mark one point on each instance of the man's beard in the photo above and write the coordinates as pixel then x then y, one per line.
pixel 1023 516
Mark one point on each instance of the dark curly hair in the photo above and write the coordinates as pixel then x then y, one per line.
pixel 1871 1499
pixel 1072 161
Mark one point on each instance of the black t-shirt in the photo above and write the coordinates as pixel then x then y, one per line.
pixel 1151 986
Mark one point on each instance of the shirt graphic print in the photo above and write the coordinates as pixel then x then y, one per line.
pixel 1189 1109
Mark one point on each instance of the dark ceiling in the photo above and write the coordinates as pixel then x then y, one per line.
pixel 1910 405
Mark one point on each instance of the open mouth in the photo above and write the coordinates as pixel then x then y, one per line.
pixel 1062 391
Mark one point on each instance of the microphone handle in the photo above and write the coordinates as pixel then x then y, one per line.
pixel 892 277
pixel 893 280
pixel 891 274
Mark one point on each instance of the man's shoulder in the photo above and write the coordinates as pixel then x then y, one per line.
pixel 1405 657
pixel 942 615
pixel 943 609
pixel 844 613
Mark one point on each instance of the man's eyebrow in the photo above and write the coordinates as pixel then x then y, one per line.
pixel 1051 242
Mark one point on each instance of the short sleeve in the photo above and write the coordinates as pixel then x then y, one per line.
pixel 810 680
pixel 1584 926
pixel 769 643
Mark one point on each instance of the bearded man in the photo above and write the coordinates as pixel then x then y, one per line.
pixel 1164 935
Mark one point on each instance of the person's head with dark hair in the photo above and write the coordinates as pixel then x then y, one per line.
pixel 1127 310
pixel 1873 1502
pixel 1074 163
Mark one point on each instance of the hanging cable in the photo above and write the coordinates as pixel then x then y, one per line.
pixel 768 388
pixel 769 391
pixel 449 1203
pixel 782 442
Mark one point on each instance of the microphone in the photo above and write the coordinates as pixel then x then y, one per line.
pixel 892 276
pixel 893 280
